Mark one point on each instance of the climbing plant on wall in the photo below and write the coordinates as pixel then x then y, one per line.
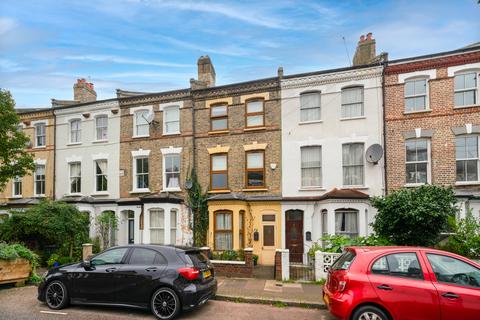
pixel 197 201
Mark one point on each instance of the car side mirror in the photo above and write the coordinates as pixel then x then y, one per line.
pixel 87 264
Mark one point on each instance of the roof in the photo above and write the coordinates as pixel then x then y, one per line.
pixel 22 201
pixel 332 194
pixel 29 110
pixel 319 72
pixel 239 196
pixel 469 48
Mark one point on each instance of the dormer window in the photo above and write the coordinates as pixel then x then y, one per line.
pixel 416 95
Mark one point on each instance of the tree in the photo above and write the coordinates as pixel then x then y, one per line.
pixel 465 238
pixel 106 223
pixel 49 222
pixel 414 216
pixel 14 160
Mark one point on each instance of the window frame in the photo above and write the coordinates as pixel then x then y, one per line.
pixel 362 102
pixel 173 227
pixel 78 131
pixel 150 228
pixel 474 89
pixel 389 274
pixel 164 172
pixel 468 159
pixel 241 229
pixel 71 178
pixel 427 254
pixel 319 107
pixel 302 167
pixel 97 175
pixel 136 125
pixel 43 183
pixel 165 110
pixel 105 127
pixel 17 185
pixel 218 171
pixel 254 114
pixel 43 136
pixel 429 161
pixel 135 175
pixel 426 94
pixel 213 118
pixel 262 170
pixel 352 235
pixel 354 165
pixel 215 230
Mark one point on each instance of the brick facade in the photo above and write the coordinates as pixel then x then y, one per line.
pixel 438 120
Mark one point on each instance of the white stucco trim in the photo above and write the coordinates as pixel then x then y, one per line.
pixel 140 153
pixel 73 158
pixel 167 209
pixel 171 150
pixel 100 156
pixel 464 67
pixel 69 119
pixel 431 74
pixel 33 123
pixel 171 104
pixel 135 109
pixel 359 139
pixel 94 115
pixel 42 162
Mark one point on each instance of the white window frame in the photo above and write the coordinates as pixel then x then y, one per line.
pixel 150 228
pixel 429 162
pixel 347 210
pixel 36 125
pixel 133 112
pixel 363 166
pixel 165 111
pixel 164 167
pixel 79 131
pixel 474 89
pixel 426 95
pixel 461 182
pixel 319 107
pixel 362 115
pixel 173 227
pixel 15 181
pixel 72 177
pixel 96 175
pixel 101 116
pixel 44 164
pixel 301 167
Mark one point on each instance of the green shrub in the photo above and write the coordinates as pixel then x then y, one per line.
pixel 15 251
pixel 228 255
pixel 465 239
pixel 336 243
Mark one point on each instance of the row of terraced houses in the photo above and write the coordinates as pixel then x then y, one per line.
pixel 284 160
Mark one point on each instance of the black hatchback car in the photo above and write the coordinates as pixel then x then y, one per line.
pixel 163 279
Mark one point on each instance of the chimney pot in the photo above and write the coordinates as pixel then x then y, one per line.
pixel 369 36
pixel 362 38
pixel 84 91
pixel 206 73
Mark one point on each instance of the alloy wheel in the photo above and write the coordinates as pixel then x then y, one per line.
pixel 55 294
pixel 164 304
pixel 370 316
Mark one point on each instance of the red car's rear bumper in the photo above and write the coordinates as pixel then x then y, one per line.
pixel 337 304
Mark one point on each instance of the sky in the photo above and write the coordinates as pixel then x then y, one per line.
pixel 153 45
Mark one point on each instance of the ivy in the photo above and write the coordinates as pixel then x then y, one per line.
pixel 197 201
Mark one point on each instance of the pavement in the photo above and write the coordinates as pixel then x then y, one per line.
pixel 269 291
pixel 22 304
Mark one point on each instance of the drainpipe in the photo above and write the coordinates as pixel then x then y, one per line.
pixel 54 152
pixel 385 64
pixel 192 101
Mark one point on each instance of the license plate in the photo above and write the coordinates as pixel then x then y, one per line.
pixel 207 274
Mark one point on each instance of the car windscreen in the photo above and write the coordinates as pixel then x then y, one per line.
pixel 344 261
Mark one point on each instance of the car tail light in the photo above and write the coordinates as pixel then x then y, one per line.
pixel 338 282
pixel 189 273
pixel 342 284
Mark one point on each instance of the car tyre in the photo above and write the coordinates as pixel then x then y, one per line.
pixel 56 295
pixel 165 304
pixel 369 313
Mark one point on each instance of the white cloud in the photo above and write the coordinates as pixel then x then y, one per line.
pixel 122 60
pixel 10 66
pixel 6 25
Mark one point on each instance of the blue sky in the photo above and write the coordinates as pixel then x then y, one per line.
pixel 153 45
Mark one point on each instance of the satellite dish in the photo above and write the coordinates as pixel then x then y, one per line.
pixel 150 117
pixel 374 153
pixel 188 184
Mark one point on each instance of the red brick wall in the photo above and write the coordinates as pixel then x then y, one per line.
pixel 442 117
pixel 278 266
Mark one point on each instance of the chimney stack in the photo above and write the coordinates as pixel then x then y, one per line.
pixel 83 91
pixel 206 74
pixel 366 51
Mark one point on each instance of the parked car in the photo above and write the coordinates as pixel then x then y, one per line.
pixel 390 283
pixel 163 279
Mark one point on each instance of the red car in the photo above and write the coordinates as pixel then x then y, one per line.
pixel 402 283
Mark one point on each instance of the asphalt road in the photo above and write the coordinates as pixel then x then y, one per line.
pixel 22 303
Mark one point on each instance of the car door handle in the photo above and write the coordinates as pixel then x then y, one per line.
pixel 384 287
pixel 450 295
pixel 151 269
pixel 110 269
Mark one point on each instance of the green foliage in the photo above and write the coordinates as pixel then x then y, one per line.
pixel 414 216
pixel 15 251
pixel 255 259
pixel 61 260
pixel 35 279
pixel 336 243
pixel 465 239
pixel 106 223
pixel 49 222
pixel 197 201
pixel 14 160
pixel 228 255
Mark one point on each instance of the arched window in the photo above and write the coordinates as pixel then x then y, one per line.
pixel 223 230
pixel 346 222
pixel 157 226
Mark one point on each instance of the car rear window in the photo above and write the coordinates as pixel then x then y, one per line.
pixel 344 261
pixel 197 258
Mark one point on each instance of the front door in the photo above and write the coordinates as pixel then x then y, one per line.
pixel 294 234
pixel 131 228
pixel 269 239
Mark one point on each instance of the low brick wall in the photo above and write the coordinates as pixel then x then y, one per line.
pixel 238 269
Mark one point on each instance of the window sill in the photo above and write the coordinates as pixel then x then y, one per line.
pixel 100 141
pixel 464 107
pixel 255 128
pixel 311 189
pixel 310 122
pixel 418 111
pixel 220 191
pixel 467 183
pixel 171 190
pixel 39 147
pixel 140 191
pixel 254 189
pixel 74 143
pixel 353 118
pixel 356 187
pixel 413 185
pixel 171 133
pixel 16 197
pixel 75 195
pixel 143 136
pixel 218 132
pixel 100 193
pixel 39 196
